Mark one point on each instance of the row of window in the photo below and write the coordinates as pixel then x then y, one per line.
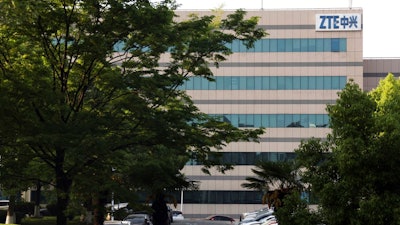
pixel 250 158
pixel 223 197
pixel 275 120
pixel 292 45
pixel 266 83
pixel 282 45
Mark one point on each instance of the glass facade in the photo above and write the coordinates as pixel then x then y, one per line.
pixel 250 158
pixel 292 45
pixel 281 45
pixel 275 120
pixel 266 83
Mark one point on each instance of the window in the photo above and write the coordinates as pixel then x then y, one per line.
pixel 266 83
pixel 335 45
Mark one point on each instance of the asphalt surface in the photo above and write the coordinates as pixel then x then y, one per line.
pixel 185 222
pixel 201 222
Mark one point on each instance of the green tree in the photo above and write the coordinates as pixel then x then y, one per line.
pixel 295 211
pixel 274 179
pixel 93 85
pixel 354 172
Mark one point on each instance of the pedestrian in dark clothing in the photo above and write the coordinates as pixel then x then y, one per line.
pixel 160 214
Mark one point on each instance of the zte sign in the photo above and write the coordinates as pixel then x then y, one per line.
pixel 338 22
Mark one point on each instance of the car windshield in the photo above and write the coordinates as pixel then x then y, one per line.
pixel 136 217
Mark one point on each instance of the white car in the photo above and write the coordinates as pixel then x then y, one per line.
pixel 4 204
pixel 258 219
pixel 177 215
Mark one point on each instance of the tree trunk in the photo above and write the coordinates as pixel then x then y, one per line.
pixel 10 219
pixel 63 188
pixel 99 203
pixel 36 212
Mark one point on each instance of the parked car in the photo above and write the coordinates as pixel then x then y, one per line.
pixel 137 219
pixel 221 218
pixel 4 204
pixel 258 218
pixel 177 215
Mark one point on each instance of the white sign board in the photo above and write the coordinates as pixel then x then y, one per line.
pixel 338 22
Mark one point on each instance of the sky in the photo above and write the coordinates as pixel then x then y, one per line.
pixel 380 28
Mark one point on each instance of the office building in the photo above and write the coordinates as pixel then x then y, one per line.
pixel 283 84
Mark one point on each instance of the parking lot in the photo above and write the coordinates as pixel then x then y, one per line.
pixel 185 222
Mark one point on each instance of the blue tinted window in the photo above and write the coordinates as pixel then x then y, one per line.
pixel 212 85
pixel 258 46
pixel 280 120
pixel 243 48
pixel 319 45
pixel 257 120
pixel 296 45
pixel 281 83
pixel 273 120
pixel 197 83
pixel 335 45
pixel 273 85
pixel 249 121
pixel 312 45
pixel 265 121
pixel 289 45
pixel 265 45
pixel 342 81
pixel 319 83
pixel 227 83
pixel 258 83
pixel 189 84
pixel 288 121
pixel 242 120
pixel 327 45
pixel 235 83
pixel 334 83
pixel 265 83
pixel 296 83
pixel 220 83
pixel 304 120
pixel 312 83
pixel 250 83
pixel 304 83
pixel 273 45
pixel 236 46
pixel 235 120
pixel 204 84
pixel 242 83
pixel 281 45
pixel 288 83
pixel 304 45
pixel 343 44
pixel 327 82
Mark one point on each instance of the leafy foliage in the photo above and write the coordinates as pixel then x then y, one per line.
pixel 354 172
pixel 91 89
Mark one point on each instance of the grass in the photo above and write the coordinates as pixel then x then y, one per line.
pixel 47 220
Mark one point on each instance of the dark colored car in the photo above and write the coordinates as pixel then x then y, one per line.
pixel 221 218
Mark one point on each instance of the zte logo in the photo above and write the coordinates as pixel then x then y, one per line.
pixel 338 22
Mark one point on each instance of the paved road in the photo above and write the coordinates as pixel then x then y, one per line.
pixel 185 222
pixel 201 222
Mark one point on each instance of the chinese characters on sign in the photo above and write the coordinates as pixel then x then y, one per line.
pixel 337 22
